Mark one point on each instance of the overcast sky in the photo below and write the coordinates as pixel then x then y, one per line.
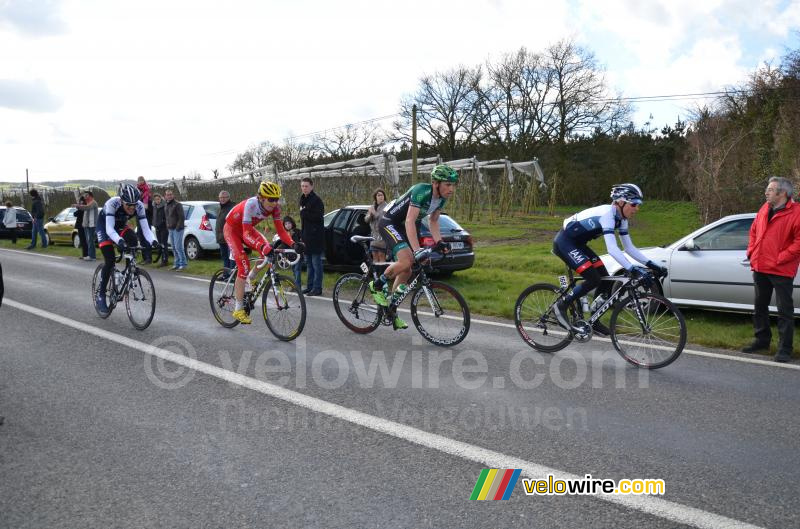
pixel 109 89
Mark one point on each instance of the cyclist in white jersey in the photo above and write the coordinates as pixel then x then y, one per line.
pixel 571 245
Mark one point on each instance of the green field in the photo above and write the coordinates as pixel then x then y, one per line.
pixel 514 253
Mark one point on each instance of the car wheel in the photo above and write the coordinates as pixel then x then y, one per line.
pixel 192 247
pixel 76 241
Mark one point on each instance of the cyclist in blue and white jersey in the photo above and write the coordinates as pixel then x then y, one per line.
pixel 112 229
pixel 571 245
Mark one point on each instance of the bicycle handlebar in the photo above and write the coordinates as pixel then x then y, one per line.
pixel 131 251
pixel 262 262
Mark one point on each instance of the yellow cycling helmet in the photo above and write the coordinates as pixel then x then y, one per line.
pixel 269 190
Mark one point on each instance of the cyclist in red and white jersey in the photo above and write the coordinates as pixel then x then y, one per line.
pixel 240 229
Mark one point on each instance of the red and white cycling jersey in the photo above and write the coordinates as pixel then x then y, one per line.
pixel 240 229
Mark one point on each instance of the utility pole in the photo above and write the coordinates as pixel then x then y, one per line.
pixel 414 144
pixel 27 185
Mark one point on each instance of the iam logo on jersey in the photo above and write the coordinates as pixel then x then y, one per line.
pixel 495 484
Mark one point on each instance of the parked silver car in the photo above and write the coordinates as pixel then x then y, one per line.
pixel 708 268
pixel 198 234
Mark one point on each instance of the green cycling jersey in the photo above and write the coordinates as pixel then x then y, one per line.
pixel 420 196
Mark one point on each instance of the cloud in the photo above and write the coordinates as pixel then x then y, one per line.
pixel 32 96
pixel 33 17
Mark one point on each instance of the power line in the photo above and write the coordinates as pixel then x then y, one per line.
pixel 631 99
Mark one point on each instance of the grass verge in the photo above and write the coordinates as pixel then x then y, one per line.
pixel 514 253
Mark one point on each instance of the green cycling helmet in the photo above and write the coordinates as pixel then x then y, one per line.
pixel 444 173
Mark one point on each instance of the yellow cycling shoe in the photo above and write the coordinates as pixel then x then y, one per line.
pixel 242 316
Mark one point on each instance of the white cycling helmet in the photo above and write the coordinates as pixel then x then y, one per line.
pixel 627 192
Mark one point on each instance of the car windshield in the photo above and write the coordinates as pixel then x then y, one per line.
pixel 212 210
pixel 326 220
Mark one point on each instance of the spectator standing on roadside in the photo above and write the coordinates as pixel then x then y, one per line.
pixel 160 226
pixel 10 221
pixel 374 213
pixel 89 209
pixel 297 236
pixel 774 254
pixel 225 207
pixel 37 212
pixel 312 210
pixel 175 224
pixel 144 189
pixel 79 227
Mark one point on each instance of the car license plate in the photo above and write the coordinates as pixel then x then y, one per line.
pixel 364 268
pixel 456 245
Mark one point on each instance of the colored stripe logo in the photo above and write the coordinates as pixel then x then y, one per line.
pixel 495 484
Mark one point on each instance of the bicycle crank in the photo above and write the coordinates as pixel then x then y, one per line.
pixel 582 331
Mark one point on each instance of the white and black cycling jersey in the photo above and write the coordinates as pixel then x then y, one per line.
pixel 591 223
pixel 605 220
pixel 113 219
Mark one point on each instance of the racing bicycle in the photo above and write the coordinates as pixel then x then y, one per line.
pixel 438 310
pixel 282 303
pixel 131 284
pixel 647 329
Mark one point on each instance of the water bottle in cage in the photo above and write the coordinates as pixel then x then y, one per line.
pixel 598 302
pixel 117 278
pixel 585 304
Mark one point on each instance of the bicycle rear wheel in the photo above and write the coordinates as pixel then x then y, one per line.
pixel 140 300
pixel 284 308
pixel 110 299
pixel 440 314
pixel 222 299
pixel 354 305
pixel 535 321
pixel 651 337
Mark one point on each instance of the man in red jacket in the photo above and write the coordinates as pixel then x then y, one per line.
pixel 774 253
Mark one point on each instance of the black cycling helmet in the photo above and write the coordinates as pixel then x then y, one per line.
pixel 128 193
pixel 628 193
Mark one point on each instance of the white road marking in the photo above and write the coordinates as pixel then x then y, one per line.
pixel 647 504
pixel 33 253
pixel 706 354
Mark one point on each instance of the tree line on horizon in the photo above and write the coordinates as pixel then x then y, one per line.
pixel 556 105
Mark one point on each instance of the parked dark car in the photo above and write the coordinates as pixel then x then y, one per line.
pixel 23 227
pixel 342 254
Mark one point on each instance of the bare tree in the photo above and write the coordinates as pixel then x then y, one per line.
pixel 449 109
pixel 580 101
pixel 515 101
pixel 712 143
pixel 350 141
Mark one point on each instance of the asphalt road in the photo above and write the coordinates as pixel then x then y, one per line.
pixel 342 430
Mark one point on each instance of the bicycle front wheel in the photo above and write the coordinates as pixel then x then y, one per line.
pixel 222 299
pixel 284 308
pixel 354 305
pixel 535 321
pixel 110 300
pixel 140 300
pixel 650 333
pixel 440 314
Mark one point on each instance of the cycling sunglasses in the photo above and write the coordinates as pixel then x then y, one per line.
pixel 271 199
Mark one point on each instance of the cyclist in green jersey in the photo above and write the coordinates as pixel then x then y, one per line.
pixel 399 227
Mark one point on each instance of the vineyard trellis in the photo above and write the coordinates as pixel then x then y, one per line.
pixel 496 188
pixel 492 189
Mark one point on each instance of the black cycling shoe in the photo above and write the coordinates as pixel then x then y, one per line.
pixel 560 312
pixel 600 329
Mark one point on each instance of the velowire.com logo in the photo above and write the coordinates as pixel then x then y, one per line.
pixel 495 484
